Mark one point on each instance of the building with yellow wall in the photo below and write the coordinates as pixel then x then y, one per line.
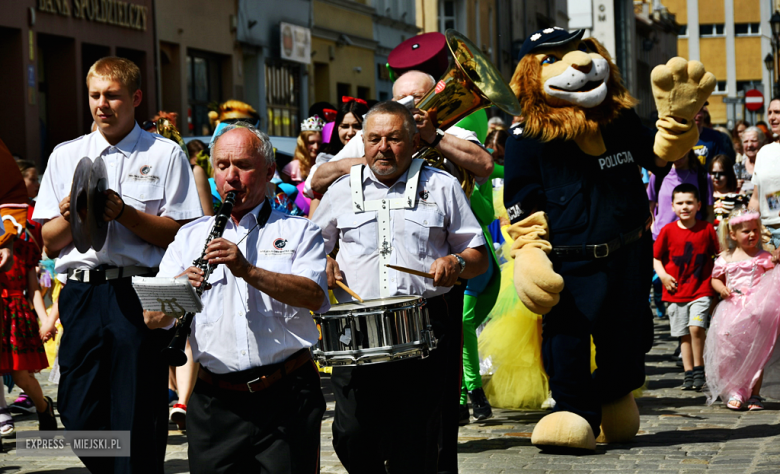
pixel 477 19
pixel 731 38
pixel 343 49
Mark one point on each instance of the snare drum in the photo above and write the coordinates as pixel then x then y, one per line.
pixel 380 330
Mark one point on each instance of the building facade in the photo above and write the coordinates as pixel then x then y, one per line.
pixel 199 62
pixel 731 38
pixel 394 23
pixel 276 44
pixel 343 51
pixel 48 47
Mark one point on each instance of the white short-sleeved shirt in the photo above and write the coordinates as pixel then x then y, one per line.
pixel 241 327
pixel 355 148
pixel 151 174
pixel 766 175
pixel 440 224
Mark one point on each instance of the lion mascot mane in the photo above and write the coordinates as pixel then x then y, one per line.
pixel 580 220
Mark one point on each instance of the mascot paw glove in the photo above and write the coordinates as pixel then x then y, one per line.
pixel 537 285
pixel 680 88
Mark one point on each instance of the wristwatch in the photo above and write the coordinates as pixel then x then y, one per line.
pixel 461 262
pixel 439 136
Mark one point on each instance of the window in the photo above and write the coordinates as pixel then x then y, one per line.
pixel 747 28
pixel 721 88
pixel 683 31
pixel 282 85
pixel 382 73
pixel 343 89
pixel 204 84
pixel 718 29
pixel 447 15
pixel 747 85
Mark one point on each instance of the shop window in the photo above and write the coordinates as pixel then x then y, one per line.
pixel 204 86
pixel 716 29
pixel 283 98
pixel 747 28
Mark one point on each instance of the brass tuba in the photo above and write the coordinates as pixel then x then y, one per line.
pixel 471 83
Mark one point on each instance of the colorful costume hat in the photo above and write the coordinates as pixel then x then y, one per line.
pixel 426 52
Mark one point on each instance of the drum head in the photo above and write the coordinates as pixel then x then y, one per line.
pixel 391 302
pixel 79 205
pixel 98 184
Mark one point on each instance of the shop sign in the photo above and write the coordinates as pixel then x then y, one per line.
pixel 113 12
pixel 295 43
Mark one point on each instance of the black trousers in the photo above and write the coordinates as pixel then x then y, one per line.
pixel 605 298
pixel 111 374
pixel 391 414
pixel 276 430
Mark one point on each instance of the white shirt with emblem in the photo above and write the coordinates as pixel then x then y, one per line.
pixel 241 327
pixel 150 172
pixel 441 223
pixel 355 148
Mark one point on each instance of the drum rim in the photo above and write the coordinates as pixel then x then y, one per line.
pixel 415 301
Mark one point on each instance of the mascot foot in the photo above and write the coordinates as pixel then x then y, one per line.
pixel 619 420
pixel 564 432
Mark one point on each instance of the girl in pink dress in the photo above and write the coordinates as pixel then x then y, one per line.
pixel 740 349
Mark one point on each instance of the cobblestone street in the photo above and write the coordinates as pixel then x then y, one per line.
pixel 678 433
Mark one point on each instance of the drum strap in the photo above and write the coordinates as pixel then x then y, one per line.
pixel 383 207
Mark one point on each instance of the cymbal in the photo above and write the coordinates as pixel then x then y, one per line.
pixel 96 199
pixel 79 192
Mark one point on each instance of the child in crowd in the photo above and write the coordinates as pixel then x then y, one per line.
pixel 740 351
pixel 683 254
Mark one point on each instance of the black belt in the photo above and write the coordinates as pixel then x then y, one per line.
pixel 260 378
pixel 584 252
pixel 103 274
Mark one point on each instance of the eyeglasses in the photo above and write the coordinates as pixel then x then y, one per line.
pixel 718 174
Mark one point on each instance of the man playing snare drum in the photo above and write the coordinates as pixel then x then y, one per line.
pixel 396 211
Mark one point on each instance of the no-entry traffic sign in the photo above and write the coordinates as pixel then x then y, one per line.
pixel 754 100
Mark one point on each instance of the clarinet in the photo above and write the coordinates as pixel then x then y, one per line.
pixel 174 354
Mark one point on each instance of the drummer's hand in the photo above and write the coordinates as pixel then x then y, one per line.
pixel 221 251
pixel 426 125
pixel 115 206
pixel 445 271
pixel 65 208
pixel 195 276
pixel 333 271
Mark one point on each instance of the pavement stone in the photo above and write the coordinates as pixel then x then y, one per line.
pixel 678 434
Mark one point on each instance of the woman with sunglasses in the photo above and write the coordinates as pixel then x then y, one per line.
pixel 725 192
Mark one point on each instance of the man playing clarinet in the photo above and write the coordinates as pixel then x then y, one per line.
pixel 257 404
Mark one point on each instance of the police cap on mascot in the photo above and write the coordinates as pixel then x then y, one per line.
pixel 580 220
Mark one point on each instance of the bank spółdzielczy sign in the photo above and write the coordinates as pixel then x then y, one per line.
pixel 113 12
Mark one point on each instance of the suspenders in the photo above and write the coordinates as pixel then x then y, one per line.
pixel 383 206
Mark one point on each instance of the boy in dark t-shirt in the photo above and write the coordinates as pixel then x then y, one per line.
pixel 683 258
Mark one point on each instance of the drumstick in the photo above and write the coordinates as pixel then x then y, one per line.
pixel 352 293
pixel 414 272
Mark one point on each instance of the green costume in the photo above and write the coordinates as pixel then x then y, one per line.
pixel 479 296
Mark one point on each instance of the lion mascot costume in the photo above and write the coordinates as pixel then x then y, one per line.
pixel 580 220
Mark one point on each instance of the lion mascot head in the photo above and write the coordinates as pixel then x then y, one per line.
pixel 567 86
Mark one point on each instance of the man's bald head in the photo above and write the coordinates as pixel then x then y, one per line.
pixel 414 83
